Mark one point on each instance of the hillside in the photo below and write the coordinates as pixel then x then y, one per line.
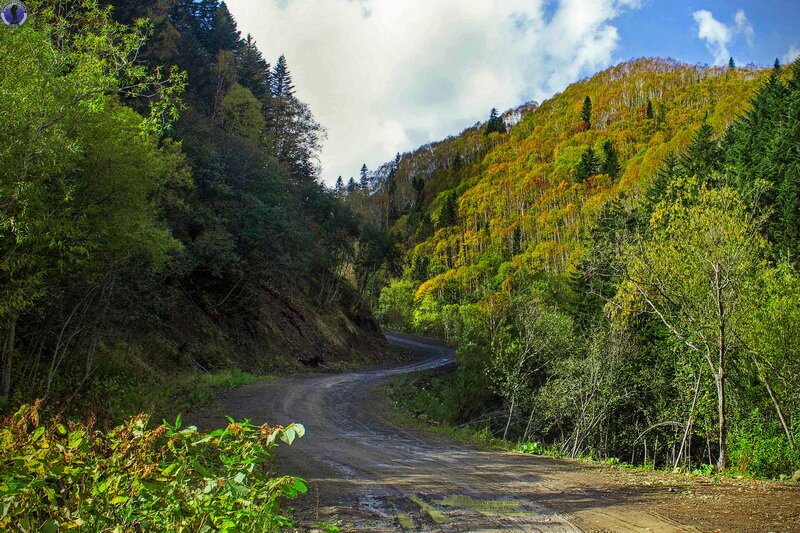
pixel 517 192
pixel 574 253
pixel 162 217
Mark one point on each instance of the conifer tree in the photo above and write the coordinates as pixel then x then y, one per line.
pixel 587 166
pixel 339 188
pixel 225 35
pixel 731 64
pixel 364 181
pixel 649 110
pixel 495 124
pixel 448 214
pixel 253 72
pixel 657 189
pixel 703 156
pixel 610 166
pixel 516 242
pixel 282 86
pixel 586 112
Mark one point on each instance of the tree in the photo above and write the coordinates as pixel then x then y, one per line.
pixel 610 165
pixel 364 180
pixel 731 64
pixel 252 71
pixel 81 172
pixel 225 34
pixel 691 272
pixel 649 110
pixel 587 166
pixel 240 113
pixel 544 336
pixel 495 124
pixel 703 156
pixel 448 214
pixel 339 187
pixel 586 112
pixel 282 86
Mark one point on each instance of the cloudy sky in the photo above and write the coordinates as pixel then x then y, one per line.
pixel 385 76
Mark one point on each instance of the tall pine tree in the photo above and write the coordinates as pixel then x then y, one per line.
pixel 610 166
pixel 282 86
pixel 586 112
pixel 587 166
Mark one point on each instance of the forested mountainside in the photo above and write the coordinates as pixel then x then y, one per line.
pixel 618 267
pixel 161 212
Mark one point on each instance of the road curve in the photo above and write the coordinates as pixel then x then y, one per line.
pixel 375 476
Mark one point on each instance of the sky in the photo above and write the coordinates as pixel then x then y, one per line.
pixel 386 76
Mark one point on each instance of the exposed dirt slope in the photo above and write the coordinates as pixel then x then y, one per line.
pixel 375 476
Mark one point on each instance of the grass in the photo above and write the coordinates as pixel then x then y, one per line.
pixel 168 396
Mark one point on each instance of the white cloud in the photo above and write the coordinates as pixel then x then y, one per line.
pixel 792 54
pixel 718 35
pixel 384 76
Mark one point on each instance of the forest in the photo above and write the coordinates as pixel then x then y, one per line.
pixel 163 233
pixel 617 266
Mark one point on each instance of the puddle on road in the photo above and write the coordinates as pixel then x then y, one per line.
pixel 435 514
pixel 485 507
pixel 405 520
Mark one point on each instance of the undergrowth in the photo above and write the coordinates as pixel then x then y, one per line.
pixel 68 476
pixel 423 401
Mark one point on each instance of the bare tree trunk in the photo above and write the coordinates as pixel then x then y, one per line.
pixel 683 449
pixel 719 374
pixel 510 414
pixel 722 460
pixel 774 399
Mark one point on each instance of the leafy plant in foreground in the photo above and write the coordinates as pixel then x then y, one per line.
pixel 72 477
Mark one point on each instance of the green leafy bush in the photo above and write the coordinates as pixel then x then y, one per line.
pixel 534 448
pixel 70 476
pixel 762 452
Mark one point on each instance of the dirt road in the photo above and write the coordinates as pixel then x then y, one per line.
pixel 374 476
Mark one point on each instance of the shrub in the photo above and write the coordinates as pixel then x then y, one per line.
pixel 70 476
pixel 760 452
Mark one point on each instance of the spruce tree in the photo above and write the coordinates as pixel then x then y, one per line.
pixel 586 112
pixel 658 187
pixel 448 214
pixel 225 35
pixel 587 166
pixel 253 72
pixel 610 166
pixel 282 86
pixel 495 124
pixel 649 110
pixel 364 182
pixel 731 64
pixel 516 242
pixel 703 156
pixel 339 187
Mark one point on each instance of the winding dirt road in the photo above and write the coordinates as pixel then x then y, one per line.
pixel 371 475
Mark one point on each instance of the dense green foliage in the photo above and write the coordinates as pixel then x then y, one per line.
pixel 73 477
pixel 159 177
pixel 619 270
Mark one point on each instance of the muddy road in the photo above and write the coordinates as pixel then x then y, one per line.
pixel 372 475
